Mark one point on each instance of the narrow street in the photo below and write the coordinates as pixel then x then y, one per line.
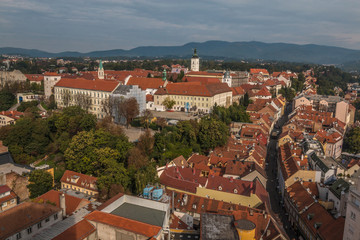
pixel 271 187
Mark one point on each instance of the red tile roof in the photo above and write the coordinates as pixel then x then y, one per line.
pixel 23 216
pixel 299 196
pixel 84 181
pixel 258 70
pixel 124 223
pixel 230 185
pixel 51 74
pixel 72 203
pixel 149 98
pixel 203 80
pixel 82 83
pixel 328 227
pixel 239 168
pixel 4 189
pixel 7 198
pixel 34 77
pixel 79 231
pixel 194 89
pixel 238 91
pixel 146 83
pixel 12 114
pixel 185 179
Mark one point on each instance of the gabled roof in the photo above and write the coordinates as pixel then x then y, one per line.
pixel 185 179
pixel 12 114
pixel 79 231
pixel 4 189
pixel 72 203
pixel 146 83
pixel 203 80
pixel 51 74
pixel 299 196
pixel 238 91
pixel 85 84
pixel 23 216
pixel 239 168
pixel 319 221
pixel 194 89
pixel 80 180
pixel 124 223
pixel 229 185
pixel 34 77
pixel 258 71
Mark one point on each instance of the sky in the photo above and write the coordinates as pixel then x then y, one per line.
pixel 90 25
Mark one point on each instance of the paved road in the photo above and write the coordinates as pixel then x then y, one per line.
pixel 14 107
pixel 271 187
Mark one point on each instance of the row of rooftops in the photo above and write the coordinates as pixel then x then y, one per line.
pixel 303 197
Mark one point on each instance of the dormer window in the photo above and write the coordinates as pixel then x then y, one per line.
pixel 194 206
pixel 317 225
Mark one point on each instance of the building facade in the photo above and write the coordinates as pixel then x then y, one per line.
pixel 194 96
pixel 352 221
pixel 50 79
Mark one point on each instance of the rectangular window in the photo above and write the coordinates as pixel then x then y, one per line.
pixel 353 215
pixel 55 216
pixel 39 225
pixel 48 219
pixel 29 230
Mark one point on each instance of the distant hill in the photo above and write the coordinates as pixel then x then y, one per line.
pixel 309 53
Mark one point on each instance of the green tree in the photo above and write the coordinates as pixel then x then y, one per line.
pixel 352 140
pixel 168 103
pixel 40 182
pixel 212 133
pixel 28 137
pixel 114 175
pixel 7 99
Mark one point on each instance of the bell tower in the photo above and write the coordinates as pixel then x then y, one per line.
pixel 195 62
pixel 101 70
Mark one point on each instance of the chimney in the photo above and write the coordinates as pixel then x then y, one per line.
pixel 63 204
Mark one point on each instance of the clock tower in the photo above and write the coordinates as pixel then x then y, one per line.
pixel 195 62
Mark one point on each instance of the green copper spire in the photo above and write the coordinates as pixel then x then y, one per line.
pixel 100 65
pixel 195 54
pixel 164 75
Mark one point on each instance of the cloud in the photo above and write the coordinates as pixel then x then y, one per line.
pixel 87 25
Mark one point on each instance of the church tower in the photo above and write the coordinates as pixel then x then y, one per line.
pixel 101 70
pixel 195 62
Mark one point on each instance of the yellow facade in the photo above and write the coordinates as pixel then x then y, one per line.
pixel 246 234
pixel 79 189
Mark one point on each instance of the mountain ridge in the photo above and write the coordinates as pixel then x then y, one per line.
pixel 290 52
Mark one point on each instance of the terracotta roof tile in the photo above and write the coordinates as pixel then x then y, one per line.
pixel 194 89
pixel 72 203
pixel 23 216
pixel 146 83
pixel 79 231
pixel 80 180
pixel 124 223
pixel 82 83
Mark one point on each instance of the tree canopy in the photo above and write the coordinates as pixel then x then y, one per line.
pixel 40 182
